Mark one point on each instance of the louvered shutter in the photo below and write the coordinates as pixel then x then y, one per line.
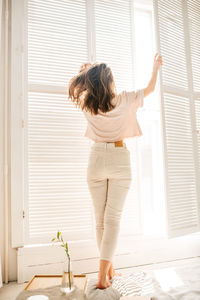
pixel 57 196
pixel 114 45
pixel 193 8
pixel 178 84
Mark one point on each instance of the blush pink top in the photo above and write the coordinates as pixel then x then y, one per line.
pixel 119 123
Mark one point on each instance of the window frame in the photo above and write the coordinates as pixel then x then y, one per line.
pixel 124 253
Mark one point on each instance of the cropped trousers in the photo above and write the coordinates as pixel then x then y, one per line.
pixel 108 177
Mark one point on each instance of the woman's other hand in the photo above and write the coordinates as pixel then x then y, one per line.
pixel 84 66
pixel 157 62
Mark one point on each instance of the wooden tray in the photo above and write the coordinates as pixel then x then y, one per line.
pixel 44 281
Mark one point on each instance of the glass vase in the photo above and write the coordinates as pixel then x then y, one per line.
pixel 67 284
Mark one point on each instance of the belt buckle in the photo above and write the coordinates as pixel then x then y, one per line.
pixel 119 143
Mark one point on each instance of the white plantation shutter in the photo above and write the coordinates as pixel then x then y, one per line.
pixel 194 39
pixel 193 8
pixel 57 196
pixel 115 46
pixel 177 45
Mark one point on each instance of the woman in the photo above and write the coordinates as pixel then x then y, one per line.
pixel 111 118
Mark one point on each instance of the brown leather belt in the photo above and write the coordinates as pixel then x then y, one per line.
pixel 118 143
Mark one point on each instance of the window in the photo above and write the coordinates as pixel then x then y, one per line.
pixel 149 159
pixel 58 38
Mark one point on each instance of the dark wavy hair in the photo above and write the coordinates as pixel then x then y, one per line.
pixel 93 88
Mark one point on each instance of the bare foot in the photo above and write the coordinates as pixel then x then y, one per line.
pixel 111 272
pixel 104 266
pixel 103 284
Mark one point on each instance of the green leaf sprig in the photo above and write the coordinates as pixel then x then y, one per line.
pixel 59 239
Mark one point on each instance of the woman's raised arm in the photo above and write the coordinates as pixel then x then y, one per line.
pixel 151 85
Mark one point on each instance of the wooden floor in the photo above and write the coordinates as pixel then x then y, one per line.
pixel 11 290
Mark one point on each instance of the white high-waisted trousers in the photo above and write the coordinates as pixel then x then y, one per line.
pixel 109 177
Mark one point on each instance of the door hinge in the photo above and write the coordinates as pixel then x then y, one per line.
pixel 23 214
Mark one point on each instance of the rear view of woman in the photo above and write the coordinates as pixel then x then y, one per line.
pixel 111 118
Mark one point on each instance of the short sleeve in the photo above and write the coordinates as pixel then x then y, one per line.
pixel 136 98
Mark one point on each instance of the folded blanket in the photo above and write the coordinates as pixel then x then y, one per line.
pixel 134 284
